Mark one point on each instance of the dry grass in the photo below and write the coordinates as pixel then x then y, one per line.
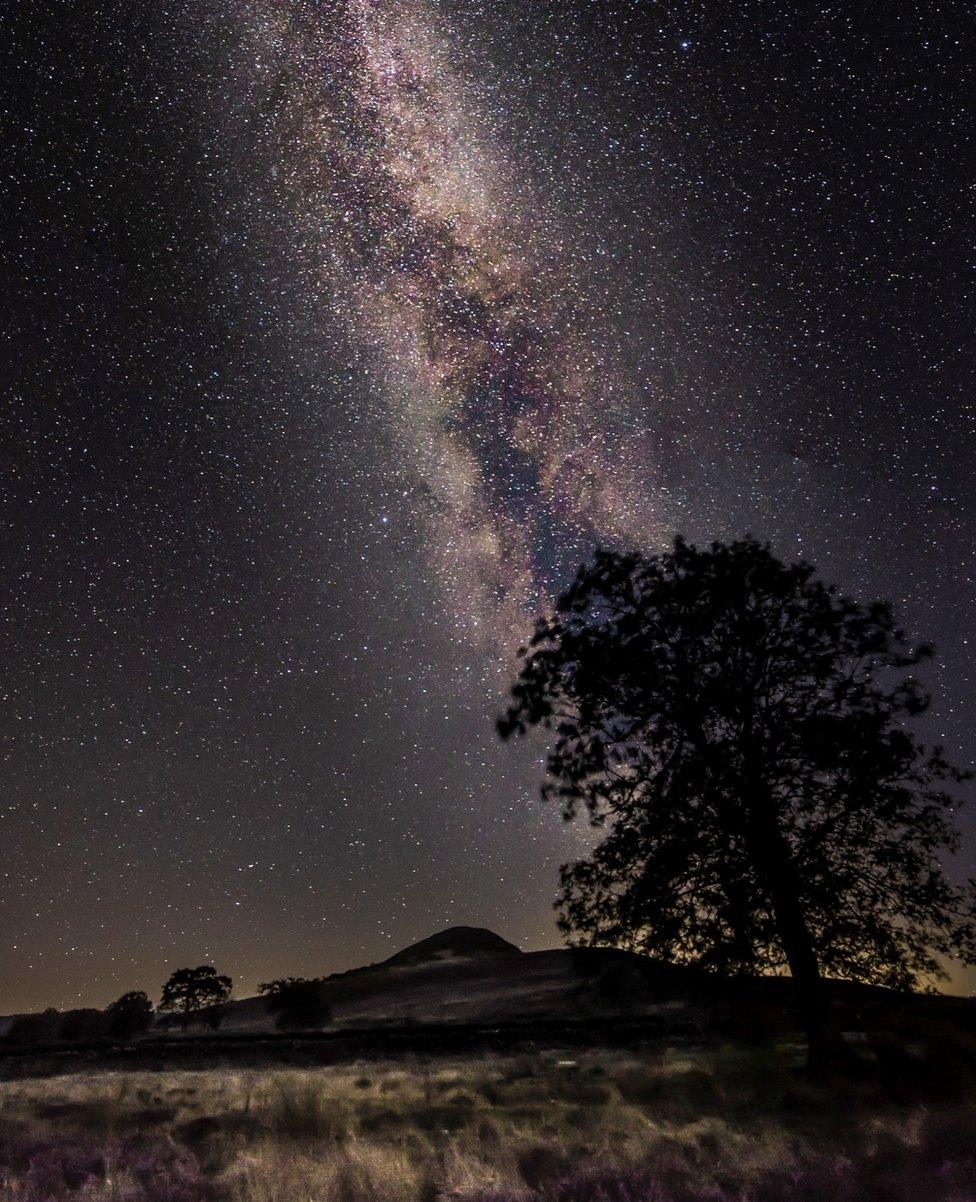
pixel 597 1127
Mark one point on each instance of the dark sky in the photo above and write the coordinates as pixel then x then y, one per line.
pixel 341 331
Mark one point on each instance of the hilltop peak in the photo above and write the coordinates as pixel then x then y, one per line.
pixel 454 943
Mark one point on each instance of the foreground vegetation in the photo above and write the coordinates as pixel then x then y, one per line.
pixel 597 1127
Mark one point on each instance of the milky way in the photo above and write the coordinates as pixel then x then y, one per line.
pixel 501 383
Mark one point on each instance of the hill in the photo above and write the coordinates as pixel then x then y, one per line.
pixel 470 976
pixel 454 943
pixel 470 986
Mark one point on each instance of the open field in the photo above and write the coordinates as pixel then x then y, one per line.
pixel 592 1126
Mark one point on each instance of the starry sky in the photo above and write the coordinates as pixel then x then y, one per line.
pixel 342 330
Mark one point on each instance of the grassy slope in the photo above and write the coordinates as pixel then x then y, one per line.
pixel 552 984
pixel 586 983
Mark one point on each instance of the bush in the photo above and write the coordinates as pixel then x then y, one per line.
pixel 213 1016
pixel 62 1168
pixel 130 1015
pixel 79 1026
pixel 297 1003
pixel 32 1030
pixel 304 1110
pixel 541 1166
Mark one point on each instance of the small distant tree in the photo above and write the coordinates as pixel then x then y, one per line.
pixel 740 732
pixel 129 1015
pixel 297 1002
pixel 190 990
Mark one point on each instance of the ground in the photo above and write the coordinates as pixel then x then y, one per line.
pixel 593 1126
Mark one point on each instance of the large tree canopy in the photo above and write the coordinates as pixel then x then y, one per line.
pixel 739 730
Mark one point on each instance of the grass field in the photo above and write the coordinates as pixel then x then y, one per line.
pixel 595 1127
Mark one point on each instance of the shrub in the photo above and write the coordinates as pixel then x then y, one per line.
pixel 297 1002
pixel 72 1169
pixel 78 1026
pixel 32 1030
pixel 302 1109
pixel 541 1166
pixel 129 1015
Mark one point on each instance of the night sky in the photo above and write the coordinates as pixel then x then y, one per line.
pixel 341 331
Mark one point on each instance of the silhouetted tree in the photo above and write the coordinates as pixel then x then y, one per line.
pixel 297 1002
pixel 190 990
pixel 78 1026
pixel 31 1030
pixel 738 729
pixel 130 1015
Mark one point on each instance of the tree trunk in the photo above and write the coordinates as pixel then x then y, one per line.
pixel 775 863
pixel 804 967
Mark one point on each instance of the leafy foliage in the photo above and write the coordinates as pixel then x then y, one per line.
pixel 129 1015
pixel 739 731
pixel 29 1030
pixel 297 1002
pixel 189 990
pixel 77 1026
